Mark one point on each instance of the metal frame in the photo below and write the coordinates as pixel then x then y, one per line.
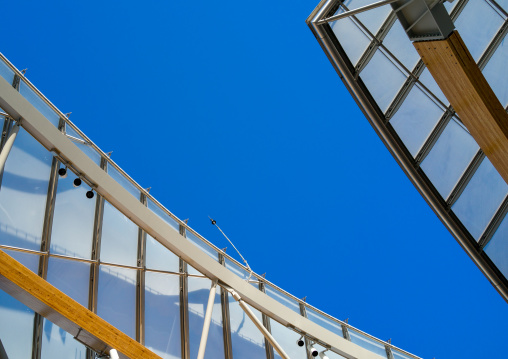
pixel 338 58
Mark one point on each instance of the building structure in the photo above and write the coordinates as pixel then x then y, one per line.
pixel 92 241
pixel 385 75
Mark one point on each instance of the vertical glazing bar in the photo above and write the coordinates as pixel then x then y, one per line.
pixel 226 324
pixel 184 310
pixel 6 149
pixel 96 251
pixel 5 130
pixel 45 245
pixel 140 285
pixel 266 323
pixel 345 332
pixel 389 353
pixel 303 312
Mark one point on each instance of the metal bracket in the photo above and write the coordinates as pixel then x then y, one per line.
pixel 424 19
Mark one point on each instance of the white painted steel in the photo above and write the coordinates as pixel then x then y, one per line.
pixel 259 325
pixel 8 146
pixel 208 320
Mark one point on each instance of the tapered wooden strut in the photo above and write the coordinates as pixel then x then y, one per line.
pixel 464 85
pixel 87 327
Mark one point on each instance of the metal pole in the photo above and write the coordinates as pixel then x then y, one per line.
pixel 258 324
pixel 355 11
pixel 8 146
pixel 208 319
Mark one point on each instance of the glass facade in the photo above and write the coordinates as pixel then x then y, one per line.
pixel 95 254
pixel 408 110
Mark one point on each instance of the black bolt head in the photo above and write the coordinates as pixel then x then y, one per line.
pixel 89 194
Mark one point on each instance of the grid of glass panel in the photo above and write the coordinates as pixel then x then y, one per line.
pixel 388 69
pixel 78 241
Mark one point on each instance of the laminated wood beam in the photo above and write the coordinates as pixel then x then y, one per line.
pixel 464 85
pixel 87 327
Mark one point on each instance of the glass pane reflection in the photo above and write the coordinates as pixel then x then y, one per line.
pixel 481 198
pixel 287 340
pixel 477 25
pixel 199 290
pixel 497 248
pixel 415 119
pixel 16 339
pixel 367 343
pixel 383 79
pixel 162 314
pixel 119 239
pixel 6 72
pixel 73 220
pixel 123 181
pixel 449 158
pixel 163 215
pixel 496 74
pixel 351 38
pixel 23 193
pixel 57 343
pixel 399 45
pixel 39 103
pixel 117 298
pixel 71 277
pixel 325 322
pixel 283 299
pixel 159 257
pixel 372 19
pixel 86 148
pixel 246 339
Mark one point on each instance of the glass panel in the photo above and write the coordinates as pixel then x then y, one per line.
pixel 16 339
pixel 351 38
pixel 202 245
pixel 159 257
pixel 86 148
pixel 246 339
pixel 428 81
pixel 71 277
pixel 162 314
pixel 23 193
pixel 497 248
pixel 6 72
pixel 383 79
pixel 287 340
pixel 367 343
pixel 504 4
pixel 163 215
pixel 235 268
pixel 281 298
pixel 477 25
pixel 119 239
pixel 57 343
pixel 481 198
pixel 399 355
pixel 325 322
pixel 31 261
pixel 117 298
pixel 449 158
pixel 415 119
pixel 400 46
pixel 39 103
pixel 73 220
pixel 496 74
pixel 372 19
pixel 124 182
pixel 199 290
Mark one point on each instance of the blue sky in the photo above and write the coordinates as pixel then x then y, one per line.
pixel 232 110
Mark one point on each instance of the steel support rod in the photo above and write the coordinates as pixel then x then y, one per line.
pixel 8 146
pixel 355 11
pixel 208 320
pixel 259 325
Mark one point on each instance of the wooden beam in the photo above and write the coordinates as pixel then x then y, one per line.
pixel 464 85
pixel 36 293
